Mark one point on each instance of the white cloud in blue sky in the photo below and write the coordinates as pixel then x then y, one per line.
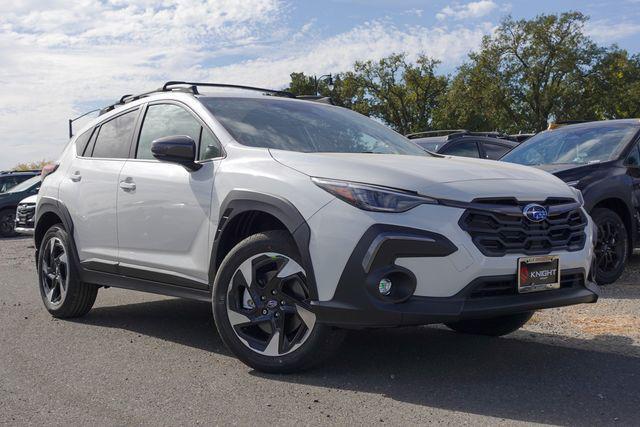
pixel 60 58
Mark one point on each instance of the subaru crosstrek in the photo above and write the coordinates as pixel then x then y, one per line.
pixel 298 220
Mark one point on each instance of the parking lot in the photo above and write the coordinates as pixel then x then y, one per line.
pixel 145 359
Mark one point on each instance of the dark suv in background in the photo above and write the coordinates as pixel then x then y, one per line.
pixel 9 201
pixel 481 145
pixel 602 159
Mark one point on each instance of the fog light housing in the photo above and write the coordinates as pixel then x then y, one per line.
pixel 384 287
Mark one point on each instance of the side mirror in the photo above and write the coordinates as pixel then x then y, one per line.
pixel 180 149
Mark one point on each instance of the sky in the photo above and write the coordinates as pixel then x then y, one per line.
pixel 59 59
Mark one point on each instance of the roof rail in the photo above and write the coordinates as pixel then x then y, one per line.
pixel 191 87
pixel 444 132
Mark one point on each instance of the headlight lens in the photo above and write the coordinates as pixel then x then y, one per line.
pixel 373 197
pixel 579 196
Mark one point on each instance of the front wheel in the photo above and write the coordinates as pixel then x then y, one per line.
pixel 7 223
pixel 494 326
pixel 261 306
pixel 612 246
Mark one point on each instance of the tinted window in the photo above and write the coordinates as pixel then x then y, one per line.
pixel 165 120
pixel 26 185
pixel 309 127
pixel 82 141
pixel 210 147
pixel 633 159
pixel 494 151
pixel 7 182
pixel 430 145
pixel 577 144
pixel 463 149
pixel 114 137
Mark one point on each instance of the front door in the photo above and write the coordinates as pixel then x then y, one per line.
pixel 164 209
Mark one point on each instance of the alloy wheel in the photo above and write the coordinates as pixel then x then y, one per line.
pixel 7 222
pixel 55 271
pixel 610 247
pixel 268 304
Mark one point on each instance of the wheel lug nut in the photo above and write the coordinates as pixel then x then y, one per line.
pixel 282 302
pixel 273 292
pixel 277 314
pixel 265 311
pixel 263 298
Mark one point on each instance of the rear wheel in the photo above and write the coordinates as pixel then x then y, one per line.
pixel 612 246
pixel 262 310
pixel 7 223
pixel 494 327
pixel 63 294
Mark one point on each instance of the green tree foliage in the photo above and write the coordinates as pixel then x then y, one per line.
pixel 525 74
pixel 32 165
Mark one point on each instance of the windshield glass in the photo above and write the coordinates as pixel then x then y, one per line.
pixel 579 144
pixel 306 126
pixel 25 185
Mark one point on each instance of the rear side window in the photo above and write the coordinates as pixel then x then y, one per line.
pixel 494 151
pixel 114 137
pixel 165 120
pixel 463 149
pixel 82 141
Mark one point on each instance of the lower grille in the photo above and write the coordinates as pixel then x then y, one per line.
pixel 504 286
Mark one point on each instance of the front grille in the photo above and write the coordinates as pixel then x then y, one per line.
pixel 25 213
pixel 504 286
pixel 501 228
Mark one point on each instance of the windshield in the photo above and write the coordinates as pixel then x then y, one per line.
pixel 25 185
pixel 580 144
pixel 306 126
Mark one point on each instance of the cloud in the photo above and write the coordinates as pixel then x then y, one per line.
pixel 608 32
pixel 471 10
pixel 61 60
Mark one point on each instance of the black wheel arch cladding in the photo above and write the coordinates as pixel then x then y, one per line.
pixel 240 201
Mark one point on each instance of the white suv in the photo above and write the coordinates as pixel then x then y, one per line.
pixel 297 220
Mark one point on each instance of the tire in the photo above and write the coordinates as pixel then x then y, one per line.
pixel 63 293
pixel 612 246
pixel 493 327
pixel 7 223
pixel 266 319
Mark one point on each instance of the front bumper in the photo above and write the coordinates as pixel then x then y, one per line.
pixel 441 281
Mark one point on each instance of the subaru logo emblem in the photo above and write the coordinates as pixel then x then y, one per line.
pixel 272 304
pixel 535 212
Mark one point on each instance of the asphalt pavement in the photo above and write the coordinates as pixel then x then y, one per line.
pixel 145 359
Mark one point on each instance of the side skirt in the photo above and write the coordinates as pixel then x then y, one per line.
pixel 126 282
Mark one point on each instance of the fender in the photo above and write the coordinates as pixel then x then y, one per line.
pixel 46 205
pixel 239 201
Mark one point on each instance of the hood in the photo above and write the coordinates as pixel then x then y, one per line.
pixel 456 178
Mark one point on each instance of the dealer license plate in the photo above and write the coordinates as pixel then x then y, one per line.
pixel 538 273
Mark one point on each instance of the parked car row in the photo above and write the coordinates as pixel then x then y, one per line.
pixel 482 145
pixel 17 207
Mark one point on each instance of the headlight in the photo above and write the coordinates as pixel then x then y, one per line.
pixel 579 196
pixel 373 197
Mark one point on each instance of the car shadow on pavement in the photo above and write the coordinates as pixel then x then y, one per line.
pixel 508 378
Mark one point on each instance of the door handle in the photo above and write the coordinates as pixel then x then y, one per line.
pixel 128 185
pixel 76 177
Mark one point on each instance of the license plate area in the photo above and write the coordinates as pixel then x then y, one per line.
pixel 538 273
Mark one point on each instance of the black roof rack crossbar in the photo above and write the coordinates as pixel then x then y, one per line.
pixel 443 132
pixel 193 86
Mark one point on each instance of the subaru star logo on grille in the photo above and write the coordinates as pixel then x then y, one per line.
pixel 535 212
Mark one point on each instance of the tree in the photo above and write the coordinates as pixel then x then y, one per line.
pixel 527 73
pixel 402 94
pixel 32 165
pixel 614 86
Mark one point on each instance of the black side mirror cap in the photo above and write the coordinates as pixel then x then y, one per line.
pixel 180 149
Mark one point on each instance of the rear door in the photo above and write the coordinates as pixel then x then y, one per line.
pixel 164 210
pixel 90 189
